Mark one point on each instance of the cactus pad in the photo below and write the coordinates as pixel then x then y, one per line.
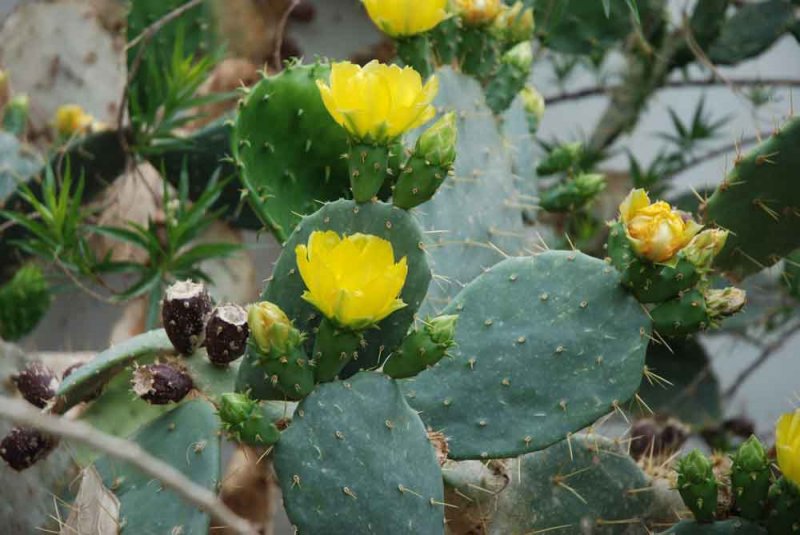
pixel 475 214
pixel 357 459
pixel 289 149
pixel 583 482
pixel 346 217
pixel 759 202
pixel 85 381
pixel 732 526
pixel 544 346
pixel 188 439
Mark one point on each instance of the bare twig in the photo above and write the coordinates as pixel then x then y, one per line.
pixel 766 352
pixel 154 28
pixel 279 33
pixel 678 84
pixel 24 414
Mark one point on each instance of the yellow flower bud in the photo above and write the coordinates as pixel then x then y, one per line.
pixel 71 119
pixel 533 102
pixel 787 445
pixel 378 103
pixel 271 328
pixel 353 280
pixel 656 231
pixel 515 23
pixel 478 12
pixel 404 18
pixel 704 247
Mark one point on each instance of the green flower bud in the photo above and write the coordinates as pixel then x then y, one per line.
pixel 437 145
pixel 704 247
pixel 561 159
pixel 725 302
pixel 515 23
pixel 697 485
pixel 271 329
pixel 750 479
pixel 244 420
pixel 533 102
pixel 520 56
pixel 234 408
pixel 442 330
pixel 573 194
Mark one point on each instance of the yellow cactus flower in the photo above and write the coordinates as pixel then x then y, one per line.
pixel 787 445
pixel 478 12
pixel 378 103
pixel 353 280
pixel 656 231
pixel 404 18
pixel 70 119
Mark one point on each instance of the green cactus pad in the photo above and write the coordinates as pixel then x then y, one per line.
pixel 692 394
pixel 24 300
pixel 476 215
pixel 583 482
pixel 356 459
pixel 346 217
pixel 18 163
pixel 784 507
pixel 732 526
pixel 188 439
pixel 85 381
pixel 289 148
pixel 544 346
pixel 289 377
pixel 751 31
pixel 654 283
pixel 759 202
pixel 681 316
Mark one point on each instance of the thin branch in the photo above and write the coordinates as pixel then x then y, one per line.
pixel 148 33
pixel 677 84
pixel 24 414
pixel 280 31
pixel 767 351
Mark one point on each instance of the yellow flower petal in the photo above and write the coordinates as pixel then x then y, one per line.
pixel 787 445
pixel 353 280
pixel 378 103
pixel 656 231
pixel 404 18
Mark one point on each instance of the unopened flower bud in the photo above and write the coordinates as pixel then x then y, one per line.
pixel 437 145
pixel 520 56
pixel 160 384
pixel 697 485
pixel 184 310
pixel 37 383
pixel 226 334
pixel 704 247
pixel 725 302
pixel 244 420
pixel 533 103
pixel 24 446
pixel 442 329
pixel 515 23
pixel 271 329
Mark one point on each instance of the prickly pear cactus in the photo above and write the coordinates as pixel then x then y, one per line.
pixel 347 217
pixel 288 148
pixel 733 526
pixel 759 203
pixel 585 481
pixel 18 163
pixel 561 313
pixel 188 439
pixel 342 436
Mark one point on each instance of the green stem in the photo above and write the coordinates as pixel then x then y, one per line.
pixel 333 349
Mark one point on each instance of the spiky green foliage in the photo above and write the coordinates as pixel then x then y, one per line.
pixel 585 481
pixel 325 491
pixel 289 149
pixel 187 438
pixel 24 300
pixel 759 203
pixel 541 313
